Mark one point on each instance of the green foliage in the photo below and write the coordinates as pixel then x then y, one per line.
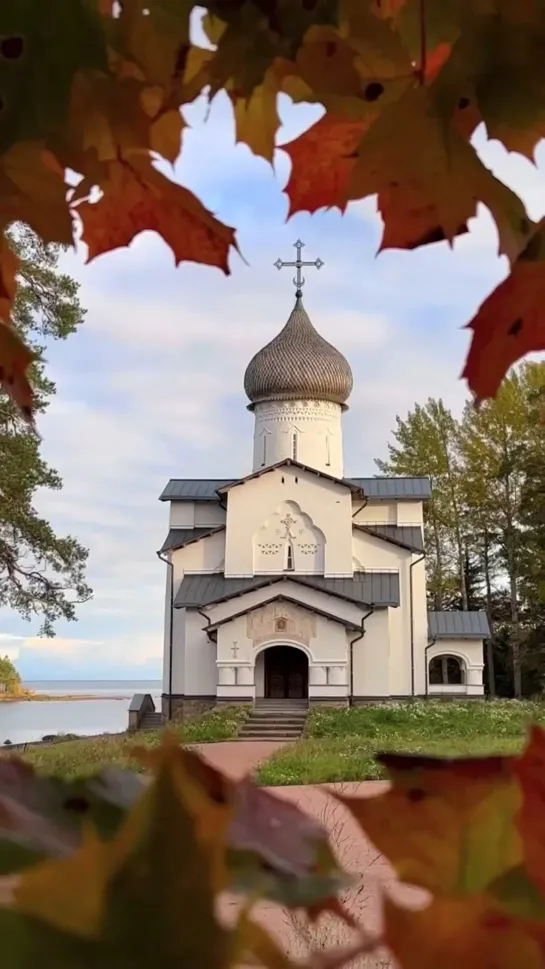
pixel 41 573
pixel 342 744
pixel 482 545
pixel 9 675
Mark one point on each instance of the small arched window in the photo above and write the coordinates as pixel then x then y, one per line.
pixel 294 447
pixel 289 557
pixel 327 452
pixel 446 671
pixel 264 461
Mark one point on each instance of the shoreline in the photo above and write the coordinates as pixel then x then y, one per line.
pixel 51 697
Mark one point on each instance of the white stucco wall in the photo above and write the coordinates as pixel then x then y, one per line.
pixel 371 657
pixel 326 503
pixel 309 431
pixel 471 653
pixel 206 555
pixel 195 514
pixel 379 512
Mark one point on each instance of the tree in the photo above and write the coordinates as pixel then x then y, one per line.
pixel 404 86
pixel 41 573
pixel 9 676
pixel 426 445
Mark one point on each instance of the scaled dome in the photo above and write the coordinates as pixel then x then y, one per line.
pixel 298 365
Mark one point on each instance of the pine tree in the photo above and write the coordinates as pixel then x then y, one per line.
pixel 41 573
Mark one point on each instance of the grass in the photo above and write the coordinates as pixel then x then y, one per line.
pixel 341 744
pixel 74 758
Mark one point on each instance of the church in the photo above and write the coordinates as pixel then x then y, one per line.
pixel 294 581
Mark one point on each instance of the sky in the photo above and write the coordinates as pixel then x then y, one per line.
pixel 151 387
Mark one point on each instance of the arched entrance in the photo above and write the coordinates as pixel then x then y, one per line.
pixel 286 673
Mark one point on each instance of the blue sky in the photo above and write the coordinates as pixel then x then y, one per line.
pixel 151 386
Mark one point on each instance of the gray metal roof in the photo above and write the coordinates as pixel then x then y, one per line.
pixel 408 536
pixel 415 489
pixel 365 588
pixel 205 489
pixel 290 462
pixel 178 537
pixel 298 365
pixel 458 625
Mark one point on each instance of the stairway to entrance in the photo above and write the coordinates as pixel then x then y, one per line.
pixel 152 720
pixel 275 720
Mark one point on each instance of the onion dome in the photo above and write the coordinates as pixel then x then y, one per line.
pixel 298 365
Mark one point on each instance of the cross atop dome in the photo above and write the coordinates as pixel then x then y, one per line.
pixel 299 279
pixel 298 364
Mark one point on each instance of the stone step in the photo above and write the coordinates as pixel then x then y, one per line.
pixel 272 732
pixel 151 721
pixel 292 727
pixel 267 737
pixel 277 717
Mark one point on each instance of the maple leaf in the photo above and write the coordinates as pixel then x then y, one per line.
pixel 9 265
pixel 530 768
pixel 454 932
pixel 448 826
pixel 136 197
pixel 428 195
pixel 33 190
pixel 322 160
pixel 39 57
pixel 510 322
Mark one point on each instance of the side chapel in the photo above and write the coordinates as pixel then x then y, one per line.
pixel 295 581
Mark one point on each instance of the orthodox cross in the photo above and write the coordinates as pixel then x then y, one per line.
pixel 234 648
pixel 288 521
pixel 299 279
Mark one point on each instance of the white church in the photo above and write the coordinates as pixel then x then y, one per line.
pixel 296 582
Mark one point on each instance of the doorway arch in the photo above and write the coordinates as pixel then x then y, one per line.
pixel 285 673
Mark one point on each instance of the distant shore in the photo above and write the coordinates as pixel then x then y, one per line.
pixel 28 695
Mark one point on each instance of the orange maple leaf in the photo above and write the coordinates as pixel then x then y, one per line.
pixel 137 197
pixel 438 813
pixel 510 323
pixel 530 768
pixel 322 160
pixel 453 932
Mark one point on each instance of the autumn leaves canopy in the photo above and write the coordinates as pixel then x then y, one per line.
pixel 109 871
pixel 94 88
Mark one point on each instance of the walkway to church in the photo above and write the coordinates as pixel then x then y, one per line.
pixel 239 757
pixel 373 874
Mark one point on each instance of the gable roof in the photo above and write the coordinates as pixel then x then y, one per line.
pixel 206 489
pixel 179 537
pixel 406 536
pixel 458 625
pixel 364 589
pixel 287 463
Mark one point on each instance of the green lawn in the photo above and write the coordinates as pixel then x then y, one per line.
pixel 72 758
pixel 340 745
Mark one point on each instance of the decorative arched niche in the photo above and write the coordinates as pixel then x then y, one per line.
pixel 289 541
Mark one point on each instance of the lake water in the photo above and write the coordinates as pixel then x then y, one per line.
pixel 26 721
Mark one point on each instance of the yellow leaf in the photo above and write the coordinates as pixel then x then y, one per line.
pixel 166 134
pixel 69 893
pixel 256 118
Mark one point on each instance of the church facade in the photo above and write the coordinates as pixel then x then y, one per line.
pixel 294 581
